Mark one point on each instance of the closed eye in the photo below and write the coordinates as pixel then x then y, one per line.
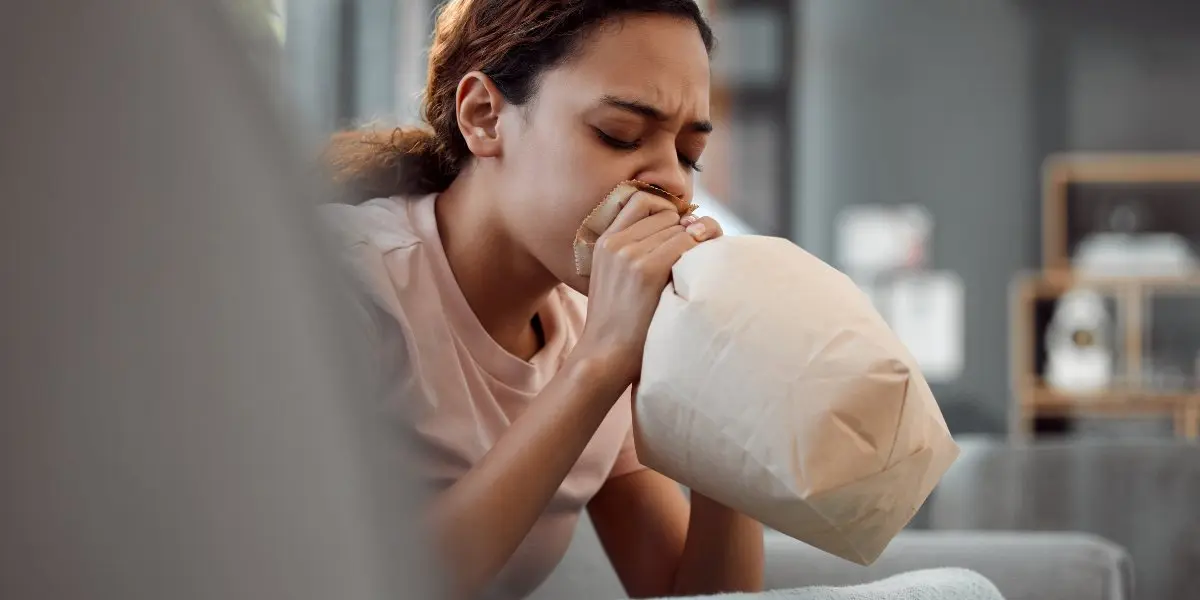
pixel 616 143
pixel 634 145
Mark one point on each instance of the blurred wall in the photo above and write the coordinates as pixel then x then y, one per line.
pixel 1132 74
pixel 928 101
pixel 954 105
pixel 347 62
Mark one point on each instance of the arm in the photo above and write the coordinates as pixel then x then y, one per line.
pixel 661 546
pixel 483 518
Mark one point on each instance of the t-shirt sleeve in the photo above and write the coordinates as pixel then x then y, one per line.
pixel 366 280
pixel 399 397
pixel 627 460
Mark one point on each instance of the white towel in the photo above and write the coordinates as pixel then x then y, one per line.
pixel 930 584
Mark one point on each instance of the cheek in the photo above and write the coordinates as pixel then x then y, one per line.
pixel 563 157
pixel 560 177
pixel 563 178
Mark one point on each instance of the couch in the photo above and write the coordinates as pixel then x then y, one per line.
pixel 1142 494
pixel 1024 565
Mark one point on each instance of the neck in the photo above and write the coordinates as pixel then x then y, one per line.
pixel 503 283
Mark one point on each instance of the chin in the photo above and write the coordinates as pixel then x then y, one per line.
pixel 564 272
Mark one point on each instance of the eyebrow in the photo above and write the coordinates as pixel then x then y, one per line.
pixel 646 110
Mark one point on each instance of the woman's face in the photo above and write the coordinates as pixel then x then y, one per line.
pixel 633 104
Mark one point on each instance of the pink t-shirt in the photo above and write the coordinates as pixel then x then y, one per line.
pixel 461 387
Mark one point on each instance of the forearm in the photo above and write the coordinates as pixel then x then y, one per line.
pixel 723 553
pixel 483 518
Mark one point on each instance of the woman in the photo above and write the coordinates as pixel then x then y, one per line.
pixel 537 108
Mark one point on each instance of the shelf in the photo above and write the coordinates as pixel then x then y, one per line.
pixel 1182 407
pixel 1065 176
pixel 1120 402
pixel 1055 282
pixel 1167 167
pixel 1035 399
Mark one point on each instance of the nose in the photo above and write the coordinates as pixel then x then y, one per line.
pixel 665 171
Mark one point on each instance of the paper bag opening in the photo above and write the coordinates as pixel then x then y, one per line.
pixel 606 212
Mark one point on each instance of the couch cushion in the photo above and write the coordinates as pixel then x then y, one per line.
pixel 1139 494
pixel 1024 566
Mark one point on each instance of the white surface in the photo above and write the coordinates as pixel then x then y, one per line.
pixel 928 584
pixel 925 310
pixel 1122 255
pixel 872 239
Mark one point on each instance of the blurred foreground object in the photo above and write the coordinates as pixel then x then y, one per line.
pixel 180 415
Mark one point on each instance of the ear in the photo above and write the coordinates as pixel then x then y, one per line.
pixel 479 103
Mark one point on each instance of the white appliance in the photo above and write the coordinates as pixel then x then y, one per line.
pixel 1079 344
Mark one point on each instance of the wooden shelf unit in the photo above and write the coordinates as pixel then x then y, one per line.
pixel 1128 396
pixel 1062 171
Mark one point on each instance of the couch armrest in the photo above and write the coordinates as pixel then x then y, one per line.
pixel 1024 566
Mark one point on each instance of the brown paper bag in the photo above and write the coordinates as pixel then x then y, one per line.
pixel 606 212
pixel 770 384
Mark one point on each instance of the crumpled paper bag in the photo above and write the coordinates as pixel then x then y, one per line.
pixel 606 212
pixel 771 384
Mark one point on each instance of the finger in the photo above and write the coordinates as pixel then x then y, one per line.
pixel 639 206
pixel 702 228
pixel 652 242
pixel 667 254
pixel 646 228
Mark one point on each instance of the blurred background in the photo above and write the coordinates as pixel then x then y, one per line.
pixel 1016 183
pixel 914 144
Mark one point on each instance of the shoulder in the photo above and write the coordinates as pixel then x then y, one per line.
pixel 385 224
pixel 375 242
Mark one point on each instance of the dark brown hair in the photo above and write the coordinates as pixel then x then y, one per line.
pixel 512 42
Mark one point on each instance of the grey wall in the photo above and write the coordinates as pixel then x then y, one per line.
pixel 1132 83
pixel 955 104
pixel 343 61
pixel 311 63
pixel 929 101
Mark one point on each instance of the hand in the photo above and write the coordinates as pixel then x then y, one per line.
pixel 631 267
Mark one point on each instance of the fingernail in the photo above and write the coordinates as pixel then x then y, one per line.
pixel 696 229
pixel 688 220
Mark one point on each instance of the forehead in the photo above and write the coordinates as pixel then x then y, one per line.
pixel 659 59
